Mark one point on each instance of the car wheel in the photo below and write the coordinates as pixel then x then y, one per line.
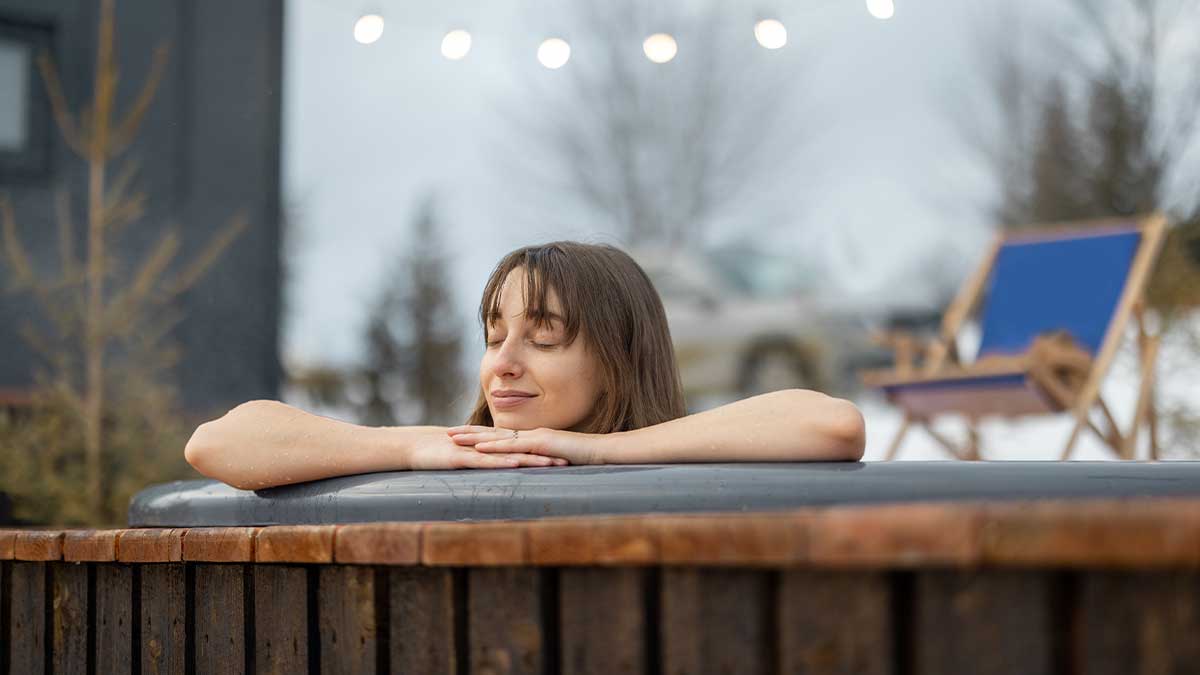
pixel 774 367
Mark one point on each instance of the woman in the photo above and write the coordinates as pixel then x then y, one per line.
pixel 578 368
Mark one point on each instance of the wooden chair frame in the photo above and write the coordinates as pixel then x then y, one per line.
pixel 1072 383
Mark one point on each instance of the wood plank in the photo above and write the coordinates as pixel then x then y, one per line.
pixel 835 623
pixel 984 622
pixel 1139 622
pixel 477 543
pixel 281 637
pixel 295 543
pixel 504 626
pixel 114 618
pixel 70 607
pixel 220 544
pixel 90 545
pixel 163 618
pixel 220 618
pixel 346 609
pixel 28 618
pixel 38 545
pixel 716 621
pixel 378 543
pixel 603 620
pixel 8 542
pixel 151 545
pixel 900 535
pixel 422 621
pixel 732 539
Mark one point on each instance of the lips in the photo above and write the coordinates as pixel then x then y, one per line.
pixel 508 399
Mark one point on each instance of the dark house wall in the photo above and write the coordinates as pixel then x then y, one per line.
pixel 209 147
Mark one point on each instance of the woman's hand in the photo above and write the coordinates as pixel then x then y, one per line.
pixel 564 446
pixel 433 450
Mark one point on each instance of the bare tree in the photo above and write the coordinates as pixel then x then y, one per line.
pixel 659 151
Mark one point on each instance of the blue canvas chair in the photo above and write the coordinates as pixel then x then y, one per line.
pixel 1055 305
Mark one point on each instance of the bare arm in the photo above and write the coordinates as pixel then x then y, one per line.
pixel 782 426
pixel 265 443
pixel 792 425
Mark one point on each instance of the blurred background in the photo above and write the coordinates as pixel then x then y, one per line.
pixel 206 203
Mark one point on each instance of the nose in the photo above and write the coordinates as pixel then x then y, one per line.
pixel 508 359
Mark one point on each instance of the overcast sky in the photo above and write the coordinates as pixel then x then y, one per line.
pixel 884 178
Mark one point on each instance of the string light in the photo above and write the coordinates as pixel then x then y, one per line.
pixel 456 44
pixel 660 47
pixel 368 28
pixel 881 9
pixel 554 53
pixel 770 33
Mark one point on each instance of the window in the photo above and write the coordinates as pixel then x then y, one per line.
pixel 25 123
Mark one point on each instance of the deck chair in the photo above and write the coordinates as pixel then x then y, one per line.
pixel 1056 303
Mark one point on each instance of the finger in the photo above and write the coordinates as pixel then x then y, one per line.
pixel 467 428
pixel 478 460
pixel 528 460
pixel 471 438
pixel 506 445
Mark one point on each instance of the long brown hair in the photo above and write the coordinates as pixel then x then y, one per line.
pixel 607 297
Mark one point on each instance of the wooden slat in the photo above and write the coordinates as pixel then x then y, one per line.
pixel 163 619
pixel 716 621
pixel 1129 533
pixel 347 615
pixel 150 545
pixel 295 543
pixel 114 618
pixel 504 627
pixel 70 622
pixel 378 543
pixel 28 618
pixel 625 540
pixel 985 622
pixel 481 543
pixel 8 540
pixel 835 623
pixel 38 545
pixel 220 618
pixel 760 539
pixel 422 620
pixel 901 535
pixel 1139 622
pixel 220 544
pixel 90 545
pixel 281 637
pixel 603 622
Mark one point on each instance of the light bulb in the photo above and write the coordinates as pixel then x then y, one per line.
pixel 554 53
pixel 660 47
pixel 881 9
pixel 368 28
pixel 770 33
pixel 456 44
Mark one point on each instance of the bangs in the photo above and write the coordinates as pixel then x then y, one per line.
pixel 544 271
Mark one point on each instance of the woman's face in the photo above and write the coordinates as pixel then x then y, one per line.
pixel 529 377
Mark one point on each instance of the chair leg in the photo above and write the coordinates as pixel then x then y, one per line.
pixel 894 447
pixel 972 452
pixel 955 451
pixel 1080 423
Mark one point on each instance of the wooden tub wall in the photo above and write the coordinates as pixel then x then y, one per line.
pixel 1097 586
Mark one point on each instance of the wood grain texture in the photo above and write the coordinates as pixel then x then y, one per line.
pixel 347 615
pixel 759 539
pixel 220 618
pixel 504 626
pixel 602 620
pixel 90 545
pixel 896 535
pixel 38 545
pixel 835 623
pixel 1134 533
pixel 295 543
pixel 1139 622
pixel 220 544
pixel 478 543
pixel 8 541
pixel 114 618
pixel 983 622
pixel 378 543
pixel 70 622
pixel 422 620
pixel 27 639
pixel 716 621
pixel 163 619
pixel 281 638
pixel 150 545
